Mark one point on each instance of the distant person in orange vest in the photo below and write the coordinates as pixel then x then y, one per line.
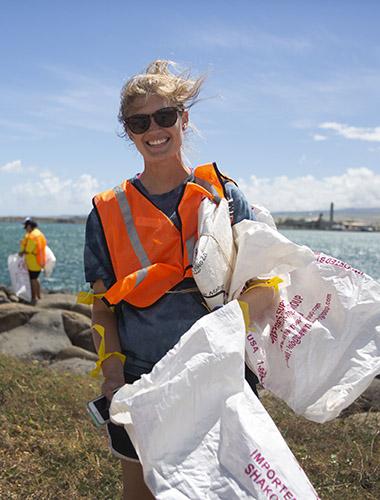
pixel 33 247
pixel 139 244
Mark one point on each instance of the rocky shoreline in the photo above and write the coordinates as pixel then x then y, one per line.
pixel 57 333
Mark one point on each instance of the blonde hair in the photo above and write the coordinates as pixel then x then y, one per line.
pixel 176 86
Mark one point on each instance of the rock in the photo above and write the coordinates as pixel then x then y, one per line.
pixel 13 315
pixel 4 297
pixel 42 337
pixel 74 323
pixel 64 301
pixel 368 401
pixel 75 352
pixel 84 339
pixel 369 419
pixel 73 365
pixel 5 289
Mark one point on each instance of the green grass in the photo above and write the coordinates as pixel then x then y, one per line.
pixel 49 448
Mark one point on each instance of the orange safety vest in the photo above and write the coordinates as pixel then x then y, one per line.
pixel 149 254
pixel 38 251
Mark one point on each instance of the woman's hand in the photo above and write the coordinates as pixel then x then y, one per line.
pixel 111 382
pixel 260 301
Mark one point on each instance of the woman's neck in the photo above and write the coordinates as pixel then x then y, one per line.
pixel 162 177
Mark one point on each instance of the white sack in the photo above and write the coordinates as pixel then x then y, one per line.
pixel 199 430
pixel 19 275
pixel 320 349
pixel 262 214
pixel 263 252
pixel 214 252
pixel 50 261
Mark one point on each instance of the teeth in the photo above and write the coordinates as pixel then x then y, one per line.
pixel 157 142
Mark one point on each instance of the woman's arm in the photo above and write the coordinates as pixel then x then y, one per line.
pixel 260 301
pixel 112 367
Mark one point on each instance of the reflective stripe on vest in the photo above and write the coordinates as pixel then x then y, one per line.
pixel 149 254
pixel 130 226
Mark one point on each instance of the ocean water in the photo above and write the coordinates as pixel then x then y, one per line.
pixel 361 250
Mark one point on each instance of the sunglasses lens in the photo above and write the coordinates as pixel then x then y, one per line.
pixel 138 124
pixel 166 117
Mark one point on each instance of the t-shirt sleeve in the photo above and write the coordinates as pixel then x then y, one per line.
pixel 97 264
pixel 241 209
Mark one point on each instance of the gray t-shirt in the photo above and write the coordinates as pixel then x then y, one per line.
pixel 147 334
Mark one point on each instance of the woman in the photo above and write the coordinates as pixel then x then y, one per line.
pixel 139 241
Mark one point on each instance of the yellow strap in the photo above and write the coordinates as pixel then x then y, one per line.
pixel 102 352
pixel 272 282
pixel 245 310
pixel 88 297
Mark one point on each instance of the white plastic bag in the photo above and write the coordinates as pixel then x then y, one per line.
pixel 214 252
pixel 50 261
pixel 19 275
pixel 199 430
pixel 263 252
pixel 320 349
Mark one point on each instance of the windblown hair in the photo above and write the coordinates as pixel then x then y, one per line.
pixel 176 86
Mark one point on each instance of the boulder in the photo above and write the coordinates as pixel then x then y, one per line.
pixel 84 339
pixel 42 337
pixel 75 352
pixel 73 365
pixel 13 315
pixel 74 323
pixel 64 301
pixel 4 297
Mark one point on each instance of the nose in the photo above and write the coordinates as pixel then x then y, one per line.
pixel 153 125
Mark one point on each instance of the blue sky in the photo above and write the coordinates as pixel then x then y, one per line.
pixel 290 110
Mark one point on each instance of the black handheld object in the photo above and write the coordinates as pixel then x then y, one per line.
pixel 98 409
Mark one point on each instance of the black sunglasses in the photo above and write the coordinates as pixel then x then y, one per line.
pixel 164 117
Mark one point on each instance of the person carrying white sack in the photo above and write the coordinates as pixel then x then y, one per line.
pixel 140 238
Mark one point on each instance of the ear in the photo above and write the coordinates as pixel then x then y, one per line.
pixel 185 120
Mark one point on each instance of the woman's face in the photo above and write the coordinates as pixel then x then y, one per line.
pixel 158 143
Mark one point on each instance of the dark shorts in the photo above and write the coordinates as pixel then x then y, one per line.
pixel 33 275
pixel 120 444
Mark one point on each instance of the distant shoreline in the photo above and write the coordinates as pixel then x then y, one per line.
pixel 64 219
pixel 350 219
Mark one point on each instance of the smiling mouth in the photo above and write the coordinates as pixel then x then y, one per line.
pixel 158 142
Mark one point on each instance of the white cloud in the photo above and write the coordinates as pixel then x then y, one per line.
pixel 53 195
pixel 355 188
pixel 358 133
pixel 319 137
pixel 49 194
pixel 12 167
